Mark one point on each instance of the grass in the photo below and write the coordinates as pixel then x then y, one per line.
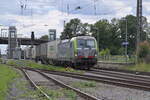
pixel 32 64
pixel 7 75
pixel 139 67
pixel 117 59
pixel 28 93
pixel 88 84
pixel 60 93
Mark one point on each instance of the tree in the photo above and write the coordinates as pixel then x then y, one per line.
pixel 100 31
pixel 115 37
pixel 44 37
pixel 132 31
pixel 107 34
pixel 85 29
pixel 74 28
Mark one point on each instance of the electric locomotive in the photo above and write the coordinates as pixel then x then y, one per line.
pixel 81 51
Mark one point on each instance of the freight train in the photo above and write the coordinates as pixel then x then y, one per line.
pixel 81 51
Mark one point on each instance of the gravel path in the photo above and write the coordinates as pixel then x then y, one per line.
pixel 53 89
pixel 107 91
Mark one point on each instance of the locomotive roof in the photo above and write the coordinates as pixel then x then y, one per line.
pixel 83 37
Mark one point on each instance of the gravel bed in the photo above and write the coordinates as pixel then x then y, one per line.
pixel 115 66
pixel 20 89
pixel 110 92
pixel 51 87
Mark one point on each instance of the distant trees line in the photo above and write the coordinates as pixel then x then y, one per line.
pixel 109 34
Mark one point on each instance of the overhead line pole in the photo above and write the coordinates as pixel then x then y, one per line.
pixel 139 27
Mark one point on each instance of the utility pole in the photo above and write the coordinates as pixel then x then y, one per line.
pixel 95 7
pixel 139 27
pixel 126 49
pixel 68 8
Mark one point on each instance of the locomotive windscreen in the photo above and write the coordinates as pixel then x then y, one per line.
pixel 88 43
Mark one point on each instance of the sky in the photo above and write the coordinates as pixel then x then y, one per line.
pixel 41 15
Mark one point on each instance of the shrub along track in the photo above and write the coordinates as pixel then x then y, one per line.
pixel 137 82
pixel 57 82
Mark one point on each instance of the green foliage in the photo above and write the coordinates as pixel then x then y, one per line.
pixel 117 59
pixel 44 37
pixel 75 28
pixel 70 94
pixel 132 31
pixel 22 85
pixel 7 75
pixel 111 34
pixel 87 84
pixel 60 93
pixel 32 64
pixel 121 51
pixel 53 93
pixel 139 67
pixel 105 52
pixel 144 50
pixel 107 35
pixel 1 60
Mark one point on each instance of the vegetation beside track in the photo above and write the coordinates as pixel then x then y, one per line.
pixel 32 64
pixel 116 59
pixel 27 93
pixel 7 75
pixel 60 93
pixel 84 84
pixel 139 67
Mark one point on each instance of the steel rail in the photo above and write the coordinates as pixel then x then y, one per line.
pixel 121 75
pixel 114 81
pixel 33 84
pixel 124 71
pixel 79 92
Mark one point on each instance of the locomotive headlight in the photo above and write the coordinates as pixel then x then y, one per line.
pixel 75 55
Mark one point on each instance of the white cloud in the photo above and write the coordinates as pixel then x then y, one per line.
pixel 146 5
pixel 41 23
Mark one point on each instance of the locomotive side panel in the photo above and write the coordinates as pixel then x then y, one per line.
pixel 52 49
pixel 27 52
pixel 43 50
pixel 64 51
pixel 33 51
pixel 38 51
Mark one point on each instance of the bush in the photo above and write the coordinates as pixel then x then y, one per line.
pixel 1 60
pixel 144 51
pixel 105 53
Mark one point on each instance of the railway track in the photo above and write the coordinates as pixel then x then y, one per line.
pixel 57 82
pixel 122 75
pixel 129 81
pixel 34 84
pixel 123 71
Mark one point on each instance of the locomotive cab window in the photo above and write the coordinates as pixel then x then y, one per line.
pixel 90 43
pixel 81 43
pixel 86 43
